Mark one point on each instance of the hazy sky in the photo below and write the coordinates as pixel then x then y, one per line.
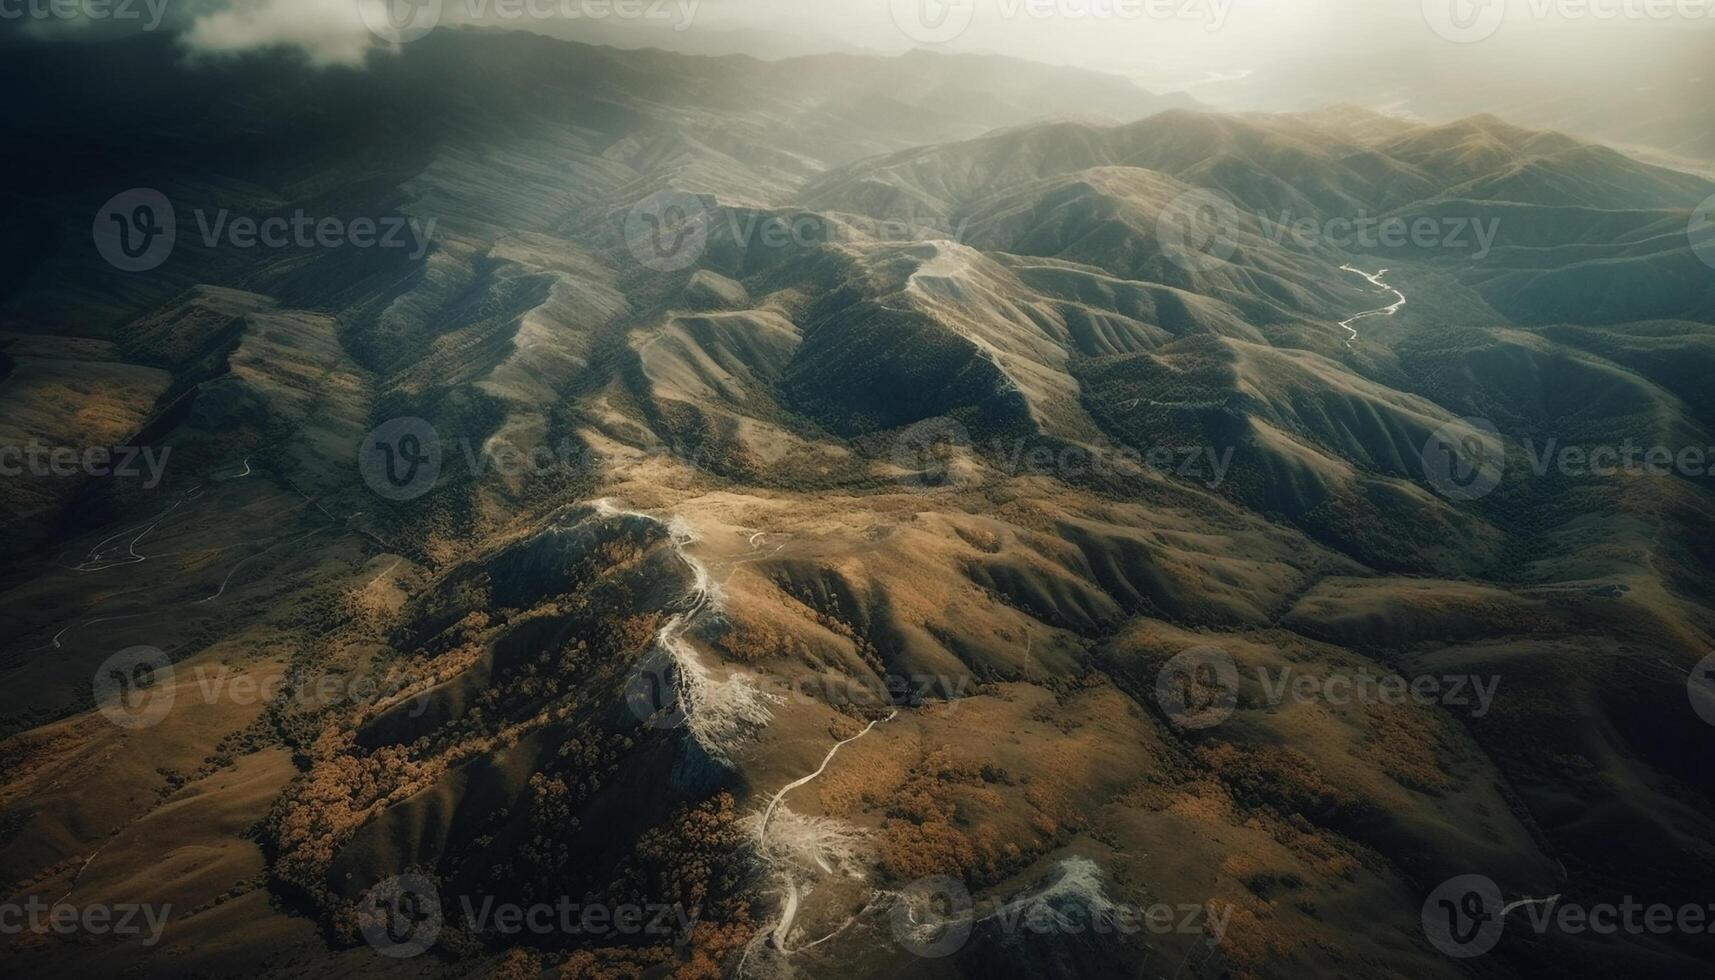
pixel 1145 39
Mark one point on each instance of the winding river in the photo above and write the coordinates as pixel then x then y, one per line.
pixel 1375 279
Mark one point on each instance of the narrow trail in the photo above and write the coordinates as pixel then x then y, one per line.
pixel 106 554
pixel 1375 279
pixel 235 569
pixel 384 573
pixel 705 592
pixel 1128 406
pixel 102 557
pixel 702 595
pixel 756 553
pixel 768 813
pixel 789 911
pixel 80 870
pixel 55 642
pixel 718 713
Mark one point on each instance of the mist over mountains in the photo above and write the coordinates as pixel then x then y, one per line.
pixel 520 507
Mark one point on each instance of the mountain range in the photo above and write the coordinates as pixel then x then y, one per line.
pixel 908 417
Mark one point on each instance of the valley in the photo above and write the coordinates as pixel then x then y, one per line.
pixel 818 474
